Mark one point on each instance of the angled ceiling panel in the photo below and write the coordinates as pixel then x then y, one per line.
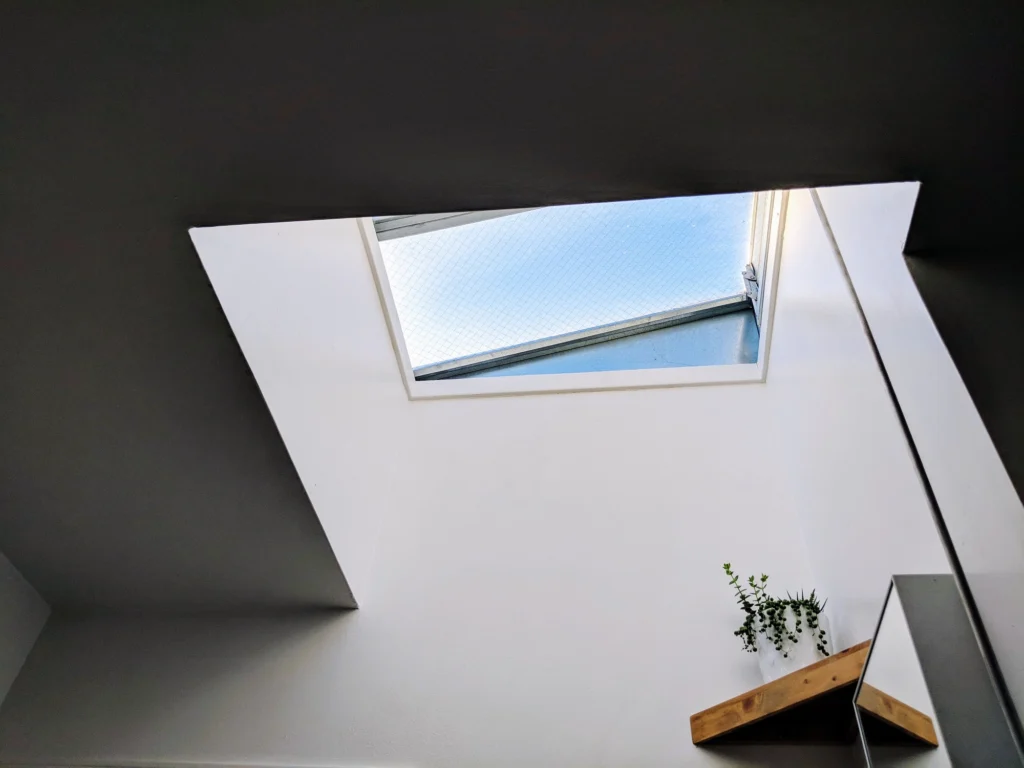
pixel 138 461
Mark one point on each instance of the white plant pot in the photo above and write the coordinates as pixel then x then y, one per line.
pixel 793 656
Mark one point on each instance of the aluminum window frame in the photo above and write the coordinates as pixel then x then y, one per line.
pixel 434 381
pixel 393 227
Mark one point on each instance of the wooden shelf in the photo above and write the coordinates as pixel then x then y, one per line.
pixel 903 720
pixel 811 705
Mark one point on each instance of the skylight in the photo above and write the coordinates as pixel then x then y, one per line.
pixel 484 291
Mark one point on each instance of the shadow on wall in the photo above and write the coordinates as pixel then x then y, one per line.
pixel 242 689
pixel 23 613
pixel 159 689
pixel 777 756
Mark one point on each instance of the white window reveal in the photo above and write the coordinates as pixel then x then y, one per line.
pixel 574 297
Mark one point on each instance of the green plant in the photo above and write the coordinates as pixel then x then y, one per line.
pixel 766 615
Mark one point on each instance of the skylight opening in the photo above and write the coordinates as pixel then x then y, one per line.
pixel 670 282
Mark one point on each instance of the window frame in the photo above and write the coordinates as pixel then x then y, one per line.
pixel 767 225
pixel 393 227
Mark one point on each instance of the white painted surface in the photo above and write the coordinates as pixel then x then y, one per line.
pixel 895 669
pixel 848 471
pixel 540 576
pixel 22 616
pixel 983 513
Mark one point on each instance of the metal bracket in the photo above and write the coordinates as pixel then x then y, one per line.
pixel 751 281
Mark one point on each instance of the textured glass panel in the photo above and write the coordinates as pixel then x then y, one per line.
pixel 495 283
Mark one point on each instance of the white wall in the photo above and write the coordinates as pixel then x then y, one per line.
pixel 22 616
pixel 982 511
pixel 540 576
pixel 849 472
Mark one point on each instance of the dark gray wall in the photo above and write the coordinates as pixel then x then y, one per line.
pixel 975 300
pixel 137 458
pixel 23 613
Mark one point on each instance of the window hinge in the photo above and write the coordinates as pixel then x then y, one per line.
pixel 751 281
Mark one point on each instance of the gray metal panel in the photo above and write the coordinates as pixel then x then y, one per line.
pixel 723 340
pixel 974 725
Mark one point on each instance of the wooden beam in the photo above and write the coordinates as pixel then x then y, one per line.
pixel 804 685
pixel 897 714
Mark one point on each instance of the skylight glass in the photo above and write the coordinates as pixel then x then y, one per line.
pixel 473 288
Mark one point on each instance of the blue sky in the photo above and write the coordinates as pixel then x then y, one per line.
pixel 504 281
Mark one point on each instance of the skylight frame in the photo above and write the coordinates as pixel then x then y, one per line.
pixel 767 224
pixel 392 227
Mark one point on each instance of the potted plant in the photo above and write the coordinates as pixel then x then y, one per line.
pixel 786 633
